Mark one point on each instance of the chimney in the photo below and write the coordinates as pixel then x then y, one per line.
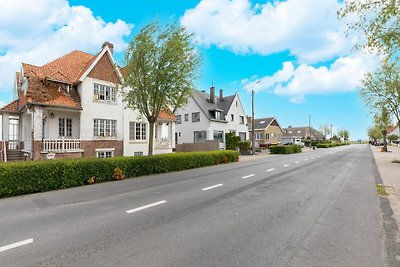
pixel 110 46
pixel 212 94
pixel 221 94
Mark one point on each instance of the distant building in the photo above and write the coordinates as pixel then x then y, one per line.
pixel 293 134
pixel 267 130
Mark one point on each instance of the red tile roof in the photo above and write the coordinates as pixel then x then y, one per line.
pixel 67 68
pixel 11 107
pixel 166 115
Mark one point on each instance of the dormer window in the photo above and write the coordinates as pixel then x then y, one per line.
pixel 104 93
pixel 218 115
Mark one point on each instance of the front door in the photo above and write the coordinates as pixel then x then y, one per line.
pixel 13 134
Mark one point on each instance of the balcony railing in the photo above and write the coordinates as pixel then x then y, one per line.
pixel 62 145
pixel 163 143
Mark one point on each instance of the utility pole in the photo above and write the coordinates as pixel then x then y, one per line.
pixel 331 132
pixel 253 139
pixel 309 125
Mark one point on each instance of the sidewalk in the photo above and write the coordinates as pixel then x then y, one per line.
pixel 390 174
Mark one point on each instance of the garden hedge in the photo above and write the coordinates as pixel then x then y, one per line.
pixel 328 145
pixel 286 149
pixel 40 176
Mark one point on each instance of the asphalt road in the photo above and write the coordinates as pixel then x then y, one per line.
pixel 317 208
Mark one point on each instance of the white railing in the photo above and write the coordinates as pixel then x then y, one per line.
pixel 163 143
pixel 61 145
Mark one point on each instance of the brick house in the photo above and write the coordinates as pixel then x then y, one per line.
pixel 71 107
pixel 267 131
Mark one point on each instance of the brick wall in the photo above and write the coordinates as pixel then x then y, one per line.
pixel 89 147
pixel 104 70
pixel 203 146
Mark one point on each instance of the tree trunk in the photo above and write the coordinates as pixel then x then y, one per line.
pixel 151 138
pixel 384 141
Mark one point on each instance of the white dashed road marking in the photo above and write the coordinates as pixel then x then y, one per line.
pixel 147 206
pixel 285 165
pixel 248 176
pixel 211 187
pixel 270 170
pixel 15 245
pixel 297 162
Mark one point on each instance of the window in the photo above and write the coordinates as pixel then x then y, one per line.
pixel 241 119
pixel 104 128
pixel 104 93
pixel 65 127
pixel 138 153
pixel 267 136
pixel 218 115
pixel 236 103
pixel 242 136
pixel 200 136
pixel 232 117
pixel 102 154
pixel 219 136
pixel 259 136
pixel 137 130
pixel 186 117
pixel 195 116
pixel 178 119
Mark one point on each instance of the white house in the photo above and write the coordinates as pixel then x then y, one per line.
pixel 71 107
pixel 208 117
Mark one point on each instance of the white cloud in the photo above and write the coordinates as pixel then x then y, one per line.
pixel 38 31
pixel 309 29
pixel 343 75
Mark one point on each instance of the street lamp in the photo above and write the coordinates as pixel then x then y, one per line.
pixel 253 141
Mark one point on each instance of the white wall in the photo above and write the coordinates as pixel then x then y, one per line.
pixel 237 111
pixel 186 129
pixel 52 124
pixel 132 146
pixel 98 110
pixel 1 127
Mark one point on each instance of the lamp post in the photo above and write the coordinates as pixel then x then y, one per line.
pixel 331 132
pixel 253 140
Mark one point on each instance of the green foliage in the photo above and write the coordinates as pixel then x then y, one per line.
pixel 307 142
pixel 41 176
pixel 286 149
pixel 244 146
pixel 392 137
pixel 344 134
pixel 232 141
pixel 325 129
pixel 162 64
pixel 328 145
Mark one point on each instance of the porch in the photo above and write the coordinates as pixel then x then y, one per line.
pixel 61 145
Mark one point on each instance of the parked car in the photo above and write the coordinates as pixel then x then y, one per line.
pixel 299 143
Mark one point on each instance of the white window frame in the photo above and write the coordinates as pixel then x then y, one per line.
pixel 195 116
pixel 203 139
pixel 64 130
pixel 103 128
pixel 218 136
pixel 241 120
pixel 104 93
pixel 137 131
pixel 178 119
pixel 104 152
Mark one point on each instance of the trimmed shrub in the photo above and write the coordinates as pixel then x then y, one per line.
pixel 244 146
pixel 232 141
pixel 321 145
pixel 286 149
pixel 21 178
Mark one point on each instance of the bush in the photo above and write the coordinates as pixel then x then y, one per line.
pixel 323 145
pixel 244 146
pixel 232 141
pixel 40 176
pixel 286 149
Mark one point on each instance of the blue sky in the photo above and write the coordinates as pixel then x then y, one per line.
pixel 293 53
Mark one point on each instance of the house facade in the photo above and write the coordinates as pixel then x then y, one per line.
pixel 71 107
pixel 294 134
pixel 267 131
pixel 208 117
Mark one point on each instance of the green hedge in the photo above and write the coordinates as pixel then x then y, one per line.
pixel 286 149
pixel 244 146
pixel 328 145
pixel 41 176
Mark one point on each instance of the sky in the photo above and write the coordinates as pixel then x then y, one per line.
pixel 294 54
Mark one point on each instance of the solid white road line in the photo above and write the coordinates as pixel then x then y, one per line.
pixel 147 206
pixel 305 159
pixel 270 170
pixel 297 162
pixel 15 245
pixel 248 176
pixel 211 187
pixel 285 165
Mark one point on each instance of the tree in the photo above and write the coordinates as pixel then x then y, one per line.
pixel 161 66
pixel 382 122
pixel 392 137
pixel 325 130
pixel 378 21
pixel 380 90
pixel 335 138
pixel 374 133
pixel 344 134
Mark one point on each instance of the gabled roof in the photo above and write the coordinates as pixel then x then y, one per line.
pixel 12 107
pixel 166 115
pixel 203 101
pixel 262 123
pixel 303 132
pixel 65 69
